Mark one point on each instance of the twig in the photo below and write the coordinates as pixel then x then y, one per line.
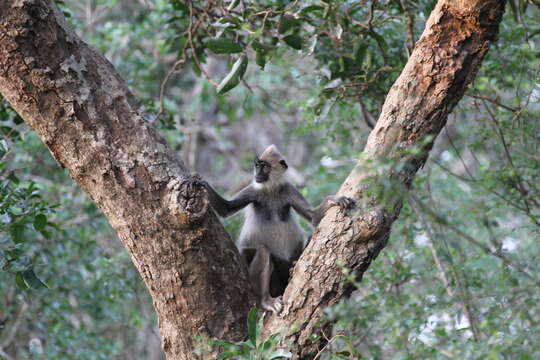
pixel 521 186
pixel 13 330
pixel 194 53
pixel 410 27
pixel 368 118
pixel 431 244
pixel 375 35
pixel 164 83
pixel 473 241
pixel 276 12
pixel 496 102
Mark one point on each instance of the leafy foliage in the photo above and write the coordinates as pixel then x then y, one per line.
pixel 255 347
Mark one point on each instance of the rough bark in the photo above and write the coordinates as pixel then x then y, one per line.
pixel 82 110
pixel 444 61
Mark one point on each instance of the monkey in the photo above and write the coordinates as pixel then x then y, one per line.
pixel 271 240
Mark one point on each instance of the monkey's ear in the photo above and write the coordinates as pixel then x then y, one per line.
pixel 284 164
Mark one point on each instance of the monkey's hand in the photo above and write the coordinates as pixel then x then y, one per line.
pixel 342 201
pixel 275 305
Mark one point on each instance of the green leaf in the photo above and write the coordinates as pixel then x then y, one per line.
pixel 286 23
pixel 233 4
pixel 17 231
pixel 223 46
pixel 234 76
pixel 257 45
pixel 311 8
pixel 260 58
pixel 279 354
pixel 380 40
pixel 4 148
pixel 359 52
pixel 40 221
pixel 247 344
pixel 252 326
pixel 32 280
pixel 223 343
pixel 10 132
pixel 18 119
pixel 19 281
pixel 294 41
pixel 229 354
pixel 271 341
pixel 13 178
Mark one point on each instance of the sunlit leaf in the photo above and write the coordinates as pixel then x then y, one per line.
pixel 32 280
pixel 234 77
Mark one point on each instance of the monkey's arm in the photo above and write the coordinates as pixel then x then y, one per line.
pixel 225 207
pixel 314 215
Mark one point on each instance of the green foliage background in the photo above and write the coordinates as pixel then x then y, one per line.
pixel 459 278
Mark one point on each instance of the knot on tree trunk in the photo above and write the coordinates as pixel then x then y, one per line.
pixel 186 200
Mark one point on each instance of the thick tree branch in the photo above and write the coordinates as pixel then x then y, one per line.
pixel 445 60
pixel 82 110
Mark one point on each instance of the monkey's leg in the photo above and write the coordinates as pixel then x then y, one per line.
pixel 260 272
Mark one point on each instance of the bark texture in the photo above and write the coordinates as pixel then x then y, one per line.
pixel 444 61
pixel 83 111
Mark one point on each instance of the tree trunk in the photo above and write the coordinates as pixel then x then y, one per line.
pixel 84 113
pixel 444 61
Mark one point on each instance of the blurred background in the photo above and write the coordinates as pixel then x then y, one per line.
pixel 460 277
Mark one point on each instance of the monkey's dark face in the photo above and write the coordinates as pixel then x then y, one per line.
pixel 269 171
pixel 262 171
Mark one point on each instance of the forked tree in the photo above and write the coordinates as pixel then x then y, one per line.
pixel 82 110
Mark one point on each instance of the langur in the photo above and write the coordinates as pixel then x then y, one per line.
pixel 271 240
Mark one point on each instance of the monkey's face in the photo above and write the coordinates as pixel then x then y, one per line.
pixel 269 171
pixel 262 171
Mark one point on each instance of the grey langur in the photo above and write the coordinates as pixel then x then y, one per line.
pixel 271 240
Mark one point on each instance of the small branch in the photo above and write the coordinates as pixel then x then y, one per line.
pixel 373 33
pixel 431 244
pixel 410 27
pixel 276 12
pixel 494 101
pixel 166 80
pixel 473 241
pixel 368 118
pixel 13 330
pixel 520 184
pixel 194 53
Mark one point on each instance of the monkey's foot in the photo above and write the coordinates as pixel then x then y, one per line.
pixel 344 202
pixel 274 305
